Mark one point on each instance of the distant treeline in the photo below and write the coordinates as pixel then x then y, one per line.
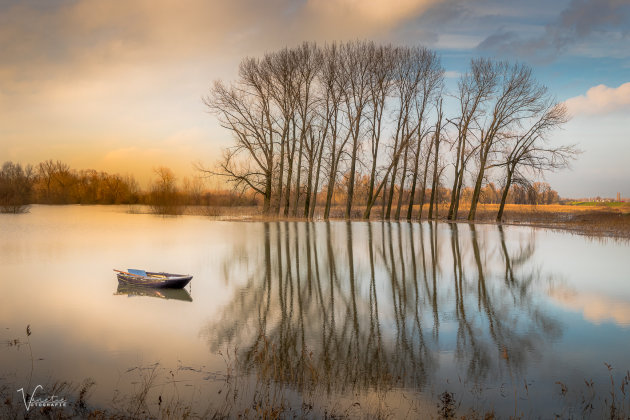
pixel 54 182
pixel 370 119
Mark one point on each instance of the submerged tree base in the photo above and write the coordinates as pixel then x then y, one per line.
pixel 14 208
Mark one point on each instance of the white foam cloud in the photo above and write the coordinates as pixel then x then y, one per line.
pixel 452 74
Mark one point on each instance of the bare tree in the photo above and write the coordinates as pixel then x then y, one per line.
pixel 407 76
pixel 245 110
pixel 337 138
pixel 518 98
pixel 58 179
pixel 356 75
pixel 427 76
pixel 474 89
pixel 381 83
pixel 16 184
pixel 432 79
pixel 531 150
pixel 309 60
pixel 281 68
pixel 164 196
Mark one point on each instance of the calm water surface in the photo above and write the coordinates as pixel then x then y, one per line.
pixel 377 313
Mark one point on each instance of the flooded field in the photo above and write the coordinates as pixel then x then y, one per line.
pixel 341 318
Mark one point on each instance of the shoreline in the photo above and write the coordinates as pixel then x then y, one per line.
pixel 592 221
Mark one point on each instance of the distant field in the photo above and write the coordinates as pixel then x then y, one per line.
pixel 598 204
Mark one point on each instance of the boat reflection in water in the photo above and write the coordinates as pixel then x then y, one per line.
pixel 365 306
pixel 176 294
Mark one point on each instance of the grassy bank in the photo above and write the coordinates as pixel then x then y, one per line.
pixel 593 219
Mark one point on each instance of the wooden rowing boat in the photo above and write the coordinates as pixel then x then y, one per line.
pixel 152 279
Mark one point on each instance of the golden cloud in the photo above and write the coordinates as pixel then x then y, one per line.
pixel 371 12
pixel 601 99
pixel 595 307
pixel 93 78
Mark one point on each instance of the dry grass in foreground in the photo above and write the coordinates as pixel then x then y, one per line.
pixel 265 387
pixel 159 392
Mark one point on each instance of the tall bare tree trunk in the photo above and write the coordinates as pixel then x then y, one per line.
pixel 458 191
pixel 399 126
pixel 353 168
pixel 280 177
pixel 267 199
pixel 436 175
pixel 506 189
pixel 452 213
pixel 331 180
pixel 424 180
pixel 291 155
pixel 402 183
pixel 309 184
pixel 414 177
pixel 299 173
pixel 368 209
pixel 376 137
pixel 383 201
pixel 390 198
pixel 477 191
pixel 316 188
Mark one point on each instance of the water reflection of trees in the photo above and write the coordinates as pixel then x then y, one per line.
pixel 357 305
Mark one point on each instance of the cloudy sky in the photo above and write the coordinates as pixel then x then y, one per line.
pixel 117 86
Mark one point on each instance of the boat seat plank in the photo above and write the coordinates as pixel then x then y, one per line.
pixel 137 272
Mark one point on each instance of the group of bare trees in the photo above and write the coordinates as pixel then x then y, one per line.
pixel 16 183
pixel 314 118
pixel 55 182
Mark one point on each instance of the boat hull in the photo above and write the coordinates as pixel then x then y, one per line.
pixel 169 281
